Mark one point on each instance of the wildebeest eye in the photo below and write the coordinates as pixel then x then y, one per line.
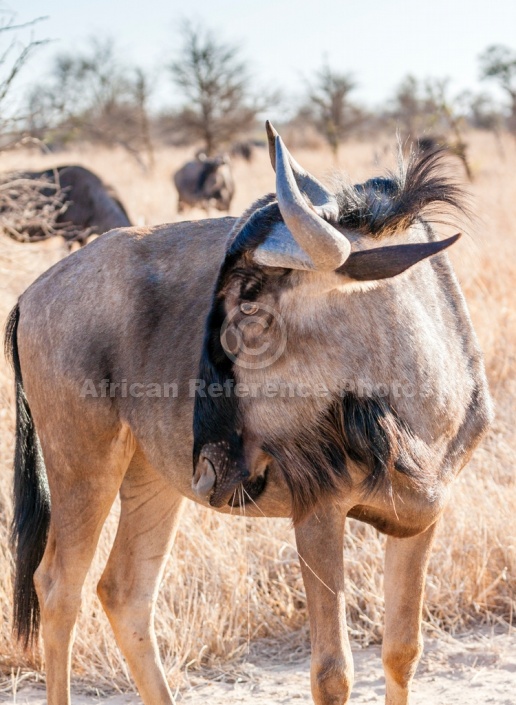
pixel 248 307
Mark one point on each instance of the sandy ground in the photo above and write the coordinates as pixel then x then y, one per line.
pixel 466 671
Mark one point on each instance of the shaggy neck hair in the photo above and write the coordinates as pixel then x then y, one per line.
pixel 365 431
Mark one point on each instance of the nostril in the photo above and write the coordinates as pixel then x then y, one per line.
pixel 204 478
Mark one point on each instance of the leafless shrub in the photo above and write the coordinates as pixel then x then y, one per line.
pixel 449 109
pixel 215 83
pixel 499 63
pixel 411 111
pixel 426 115
pixel 30 208
pixel 14 54
pixel 329 107
pixel 91 96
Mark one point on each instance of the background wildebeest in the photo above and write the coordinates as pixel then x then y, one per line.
pixel 458 148
pixel 391 401
pixel 246 148
pixel 206 182
pixel 86 204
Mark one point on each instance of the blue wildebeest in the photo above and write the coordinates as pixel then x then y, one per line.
pixel 246 148
pixel 206 182
pixel 90 206
pixel 329 382
pixel 457 147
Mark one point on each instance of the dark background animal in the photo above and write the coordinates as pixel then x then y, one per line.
pixel 301 274
pixel 246 148
pixel 206 182
pixel 457 148
pixel 85 203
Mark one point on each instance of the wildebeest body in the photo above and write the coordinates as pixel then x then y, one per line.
pixel 206 182
pixel 403 402
pixel 92 207
pixel 161 303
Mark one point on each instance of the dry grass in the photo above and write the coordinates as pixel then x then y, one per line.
pixel 234 582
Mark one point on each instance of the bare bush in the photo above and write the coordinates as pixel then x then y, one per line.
pixel 449 110
pixel 413 109
pixel 426 115
pixel 14 54
pixel 93 97
pixel 215 84
pixel 499 63
pixel 30 208
pixel 329 107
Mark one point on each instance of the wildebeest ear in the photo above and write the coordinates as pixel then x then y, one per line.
pixel 280 249
pixel 386 262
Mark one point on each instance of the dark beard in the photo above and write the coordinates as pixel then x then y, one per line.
pixel 366 431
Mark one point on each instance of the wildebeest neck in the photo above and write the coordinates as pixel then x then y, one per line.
pixel 217 421
pixel 366 431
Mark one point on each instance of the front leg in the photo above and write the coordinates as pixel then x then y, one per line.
pixel 320 543
pixel 406 561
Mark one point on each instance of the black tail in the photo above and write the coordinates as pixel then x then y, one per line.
pixel 31 500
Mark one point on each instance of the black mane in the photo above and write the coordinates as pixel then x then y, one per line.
pixel 383 206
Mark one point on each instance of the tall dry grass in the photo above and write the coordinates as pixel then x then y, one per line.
pixel 234 583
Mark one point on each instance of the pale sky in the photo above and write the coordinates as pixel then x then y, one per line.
pixel 378 41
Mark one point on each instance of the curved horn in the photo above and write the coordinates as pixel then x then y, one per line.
pixel 319 196
pixel 327 247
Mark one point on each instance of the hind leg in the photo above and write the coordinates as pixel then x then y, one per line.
pixel 83 485
pixel 128 588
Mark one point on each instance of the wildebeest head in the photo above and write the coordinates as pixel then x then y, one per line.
pixel 292 260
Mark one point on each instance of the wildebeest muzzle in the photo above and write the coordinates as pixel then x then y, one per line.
pixel 218 474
